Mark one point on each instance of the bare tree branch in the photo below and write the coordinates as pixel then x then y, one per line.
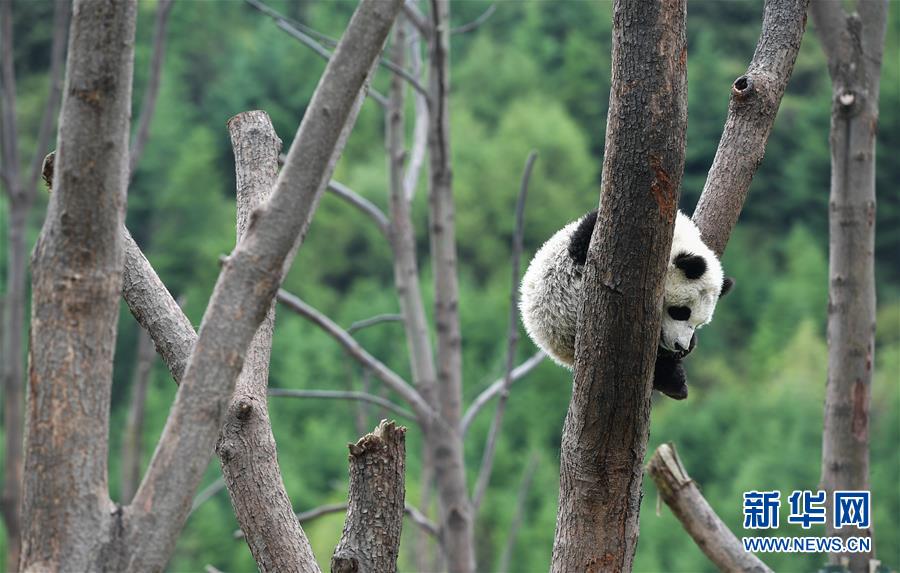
pixel 512 337
pixel 132 442
pixel 61 14
pixel 246 446
pixel 608 422
pixel 416 18
pixel 423 411
pixel 292 30
pixel 367 207
pixel 246 287
pixel 153 306
pixel 379 319
pixel 710 534
pixel 476 23
pixel 496 388
pixel 420 127
pixel 344 395
pixel 77 274
pixel 755 97
pixel 148 103
pixel 410 511
pixel 519 517
pixel 854 44
pixel 370 540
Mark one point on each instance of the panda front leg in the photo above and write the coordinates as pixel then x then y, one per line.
pixel 669 376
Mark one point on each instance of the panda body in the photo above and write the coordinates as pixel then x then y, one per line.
pixel 550 295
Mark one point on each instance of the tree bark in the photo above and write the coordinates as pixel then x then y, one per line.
pixel 755 98
pixel 456 515
pixel 68 518
pixel 853 44
pixel 607 425
pixel 246 287
pixel 246 446
pixel 710 534
pixel 370 540
pixel 133 442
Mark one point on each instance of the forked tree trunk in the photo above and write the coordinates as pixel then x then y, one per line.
pixel 607 425
pixel 68 518
pixel 854 44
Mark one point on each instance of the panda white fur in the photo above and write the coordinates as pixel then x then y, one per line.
pixel 693 284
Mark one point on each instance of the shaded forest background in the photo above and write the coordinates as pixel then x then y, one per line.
pixel 534 76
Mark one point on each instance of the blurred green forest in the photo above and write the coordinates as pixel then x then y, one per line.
pixel 534 76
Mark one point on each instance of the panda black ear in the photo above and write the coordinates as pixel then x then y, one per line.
pixel 693 265
pixel 727 283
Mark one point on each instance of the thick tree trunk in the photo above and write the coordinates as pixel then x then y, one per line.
pixel 68 518
pixel 246 446
pixel 854 45
pixel 445 439
pixel 607 425
pixel 370 541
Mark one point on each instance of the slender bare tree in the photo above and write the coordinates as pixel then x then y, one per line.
pixel 607 425
pixel 853 44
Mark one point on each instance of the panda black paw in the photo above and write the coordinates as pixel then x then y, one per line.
pixel 669 376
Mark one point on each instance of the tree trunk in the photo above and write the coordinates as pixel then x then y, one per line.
pixel 68 518
pixel 854 45
pixel 370 541
pixel 246 446
pixel 607 425
pixel 457 519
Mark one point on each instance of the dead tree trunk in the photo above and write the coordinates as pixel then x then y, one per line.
pixel 607 425
pixel 246 446
pixel 445 439
pixel 68 518
pixel 854 44
pixel 370 541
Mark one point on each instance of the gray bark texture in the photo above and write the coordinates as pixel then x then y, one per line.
pixel 607 425
pixel 246 446
pixel 21 193
pixel 69 522
pixel 755 98
pixel 445 440
pixel 370 540
pixel 246 287
pixel 853 44
pixel 710 534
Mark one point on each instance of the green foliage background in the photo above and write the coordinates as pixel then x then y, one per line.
pixel 535 76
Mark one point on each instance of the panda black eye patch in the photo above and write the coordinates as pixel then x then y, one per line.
pixel 679 312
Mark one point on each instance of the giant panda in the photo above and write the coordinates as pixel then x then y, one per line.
pixel 694 282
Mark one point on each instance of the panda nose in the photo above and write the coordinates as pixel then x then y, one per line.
pixel 679 347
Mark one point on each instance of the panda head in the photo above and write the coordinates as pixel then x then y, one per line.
pixel 694 283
